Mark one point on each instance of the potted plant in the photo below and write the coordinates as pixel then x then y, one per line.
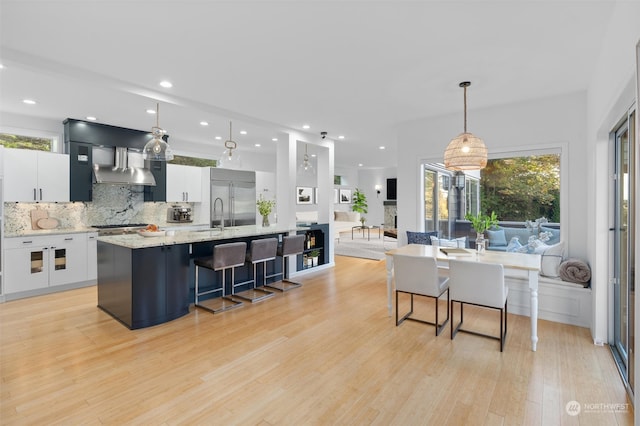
pixel 264 208
pixel 481 223
pixel 314 257
pixel 360 204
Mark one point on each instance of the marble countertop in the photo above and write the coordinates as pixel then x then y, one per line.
pixel 42 232
pixel 135 241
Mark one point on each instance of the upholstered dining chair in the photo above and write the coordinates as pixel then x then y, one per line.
pixel 479 284
pixel 421 237
pixel 419 276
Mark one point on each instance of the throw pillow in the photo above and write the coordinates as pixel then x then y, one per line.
pixel 551 260
pixel 458 242
pixel 555 235
pixel 420 237
pixel 514 245
pixel 341 216
pixel 496 238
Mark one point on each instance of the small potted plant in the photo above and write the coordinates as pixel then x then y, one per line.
pixel 314 254
pixel 481 223
pixel 360 204
pixel 264 208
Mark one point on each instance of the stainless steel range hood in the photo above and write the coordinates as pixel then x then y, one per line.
pixel 115 169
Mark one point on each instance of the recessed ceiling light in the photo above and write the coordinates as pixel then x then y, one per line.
pixel 360 165
pixel 91 118
pixel 1 67
pixel 243 132
pixel 382 147
pixel 341 137
pixel 204 123
pixel 313 155
pixel 166 84
pixel 29 101
pixel 257 145
pixel 151 111
pixel 306 126
pixel 274 139
pixel 218 138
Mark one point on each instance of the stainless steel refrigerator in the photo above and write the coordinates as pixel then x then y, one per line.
pixel 233 197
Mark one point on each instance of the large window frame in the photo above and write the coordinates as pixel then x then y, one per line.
pixel 560 149
pixel 55 138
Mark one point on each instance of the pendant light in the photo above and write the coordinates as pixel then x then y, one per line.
pixel 306 166
pixel 157 149
pixel 229 159
pixel 466 151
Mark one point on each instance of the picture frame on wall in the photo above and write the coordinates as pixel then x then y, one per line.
pixel 345 196
pixel 304 195
pixel 336 199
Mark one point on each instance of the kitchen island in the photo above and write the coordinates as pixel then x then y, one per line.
pixel 145 281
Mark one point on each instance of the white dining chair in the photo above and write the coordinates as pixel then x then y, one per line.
pixel 479 284
pixel 419 276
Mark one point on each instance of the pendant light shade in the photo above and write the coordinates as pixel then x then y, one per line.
pixel 466 151
pixel 157 149
pixel 306 167
pixel 230 159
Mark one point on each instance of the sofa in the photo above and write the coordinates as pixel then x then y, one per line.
pixel 500 237
pixel 342 221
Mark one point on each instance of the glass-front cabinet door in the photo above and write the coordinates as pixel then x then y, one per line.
pixel 27 269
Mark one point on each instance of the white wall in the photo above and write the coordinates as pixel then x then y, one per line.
pixel 610 95
pixel 367 181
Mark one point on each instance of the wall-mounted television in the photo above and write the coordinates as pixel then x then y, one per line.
pixel 391 188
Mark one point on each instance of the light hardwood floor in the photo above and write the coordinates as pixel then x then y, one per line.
pixel 325 353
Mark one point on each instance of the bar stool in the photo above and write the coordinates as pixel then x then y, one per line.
pixel 261 251
pixel 225 256
pixel 292 245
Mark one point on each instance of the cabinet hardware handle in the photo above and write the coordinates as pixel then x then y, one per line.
pixel 40 194
pixel 69 239
pixel 27 242
pixel 34 195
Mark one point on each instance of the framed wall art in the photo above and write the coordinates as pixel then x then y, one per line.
pixel 345 196
pixel 304 195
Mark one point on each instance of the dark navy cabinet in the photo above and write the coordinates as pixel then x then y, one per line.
pixel 143 287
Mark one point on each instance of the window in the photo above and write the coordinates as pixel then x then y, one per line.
pixel 522 188
pixel 27 142
pixel 193 161
pixel 437 187
pixel 472 195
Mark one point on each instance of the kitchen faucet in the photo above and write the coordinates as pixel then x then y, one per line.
pixel 215 202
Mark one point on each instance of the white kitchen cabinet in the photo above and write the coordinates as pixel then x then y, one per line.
pixel 92 256
pixel 36 175
pixel 36 262
pixel 184 183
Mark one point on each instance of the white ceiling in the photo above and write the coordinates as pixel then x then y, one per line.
pixel 352 68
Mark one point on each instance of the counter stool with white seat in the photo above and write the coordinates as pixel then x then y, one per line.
pixel 292 245
pixel 225 256
pixel 261 251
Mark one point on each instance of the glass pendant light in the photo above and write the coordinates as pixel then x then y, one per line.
pixel 157 149
pixel 306 167
pixel 230 159
pixel 466 151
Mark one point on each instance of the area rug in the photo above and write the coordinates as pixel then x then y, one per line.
pixel 360 247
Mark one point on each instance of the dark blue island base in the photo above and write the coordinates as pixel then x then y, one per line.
pixel 143 287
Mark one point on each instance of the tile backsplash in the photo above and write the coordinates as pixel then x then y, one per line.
pixel 111 205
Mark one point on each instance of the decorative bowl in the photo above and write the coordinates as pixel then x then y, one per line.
pixel 151 233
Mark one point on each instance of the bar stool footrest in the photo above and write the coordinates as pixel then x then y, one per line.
pixel 284 285
pixel 220 305
pixel 254 294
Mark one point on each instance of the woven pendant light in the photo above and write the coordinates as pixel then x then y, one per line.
pixel 466 151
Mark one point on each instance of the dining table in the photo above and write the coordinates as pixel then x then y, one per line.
pixel 526 263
